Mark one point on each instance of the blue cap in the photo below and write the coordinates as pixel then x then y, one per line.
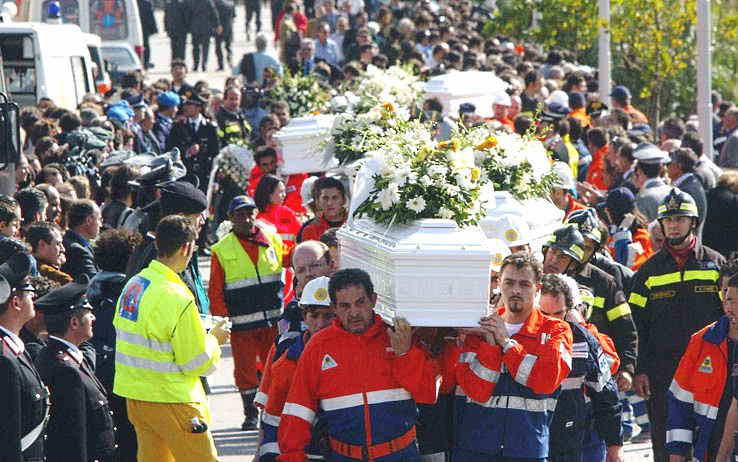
pixel 240 202
pixel 54 10
pixel 620 93
pixel 118 113
pixel 168 99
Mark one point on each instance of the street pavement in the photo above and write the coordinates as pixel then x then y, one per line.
pixel 232 443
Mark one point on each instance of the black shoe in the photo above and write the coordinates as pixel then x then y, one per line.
pixel 220 68
pixel 250 423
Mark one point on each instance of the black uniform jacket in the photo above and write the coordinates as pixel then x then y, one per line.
pixel 23 402
pixel 81 425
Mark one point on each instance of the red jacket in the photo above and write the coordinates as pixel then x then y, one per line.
pixel 293 186
pixel 608 347
pixel 313 229
pixel 512 394
pixel 596 171
pixel 286 223
pixel 694 396
pixel 366 393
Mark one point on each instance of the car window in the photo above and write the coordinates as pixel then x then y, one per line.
pixel 108 19
pixel 79 73
pixel 118 56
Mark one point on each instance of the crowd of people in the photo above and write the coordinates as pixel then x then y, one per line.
pixel 624 322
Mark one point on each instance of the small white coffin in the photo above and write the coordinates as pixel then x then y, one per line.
pixel 302 143
pixel 430 272
pixel 455 88
pixel 541 215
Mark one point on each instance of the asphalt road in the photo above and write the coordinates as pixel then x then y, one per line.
pixel 225 402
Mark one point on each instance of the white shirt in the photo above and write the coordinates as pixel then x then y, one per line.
pixel 72 349
pixel 18 346
pixel 196 121
pixel 513 329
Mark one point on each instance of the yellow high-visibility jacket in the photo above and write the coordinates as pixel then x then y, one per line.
pixel 161 346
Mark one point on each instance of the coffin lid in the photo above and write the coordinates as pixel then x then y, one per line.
pixel 465 83
pixel 306 127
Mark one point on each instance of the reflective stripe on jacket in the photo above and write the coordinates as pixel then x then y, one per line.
pixel 695 393
pixel 669 305
pixel 511 395
pixel 366 394
pixel 252 293
pixel 161 346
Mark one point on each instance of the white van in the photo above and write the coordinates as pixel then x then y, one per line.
pixel 101 74
pixel 44 60
pixel 115 21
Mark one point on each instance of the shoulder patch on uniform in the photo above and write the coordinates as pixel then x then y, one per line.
pixel 131 298
pixel 706 366
pixel 328 363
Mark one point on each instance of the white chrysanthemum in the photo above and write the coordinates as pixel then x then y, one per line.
pixel 461 160
pixel 389 196
pixel 464 179
pixel 437 170
pixel 535 154
pixel 445 213
pixel 451 189
pixel 426 181
pixel 416 204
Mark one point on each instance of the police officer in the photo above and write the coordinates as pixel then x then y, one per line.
pixel 81 424
pixel 197 137
pixel 161 351
pixel 675 294
pixel 566 253
pixel 23 396
pixel 246 284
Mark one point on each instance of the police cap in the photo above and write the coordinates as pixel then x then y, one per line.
pixel 69 297
pixel 650 154
pixel 14 275
pixel 182 197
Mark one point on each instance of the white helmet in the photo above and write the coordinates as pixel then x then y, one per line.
pixel 316 292
pixel 513 230
pixel 499 250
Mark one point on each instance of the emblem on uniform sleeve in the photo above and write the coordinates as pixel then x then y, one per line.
pixel 132 297
pixel 271 254
pixel 328 363
pixel 706 366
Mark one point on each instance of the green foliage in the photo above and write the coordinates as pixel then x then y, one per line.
pixel 653 43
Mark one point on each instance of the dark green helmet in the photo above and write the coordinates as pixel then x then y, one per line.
pixel 677 204
pixel 569 241
pixel 587 223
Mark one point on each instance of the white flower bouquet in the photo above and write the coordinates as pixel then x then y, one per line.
pixel 413 178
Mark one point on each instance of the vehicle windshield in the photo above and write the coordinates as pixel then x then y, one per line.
pixel 108 19
pixel 18 63
pixel 69 11
pixel 118 56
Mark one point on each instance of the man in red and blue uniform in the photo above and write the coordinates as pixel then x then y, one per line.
pixel 511 371
pixel 699 396
pixel 364 379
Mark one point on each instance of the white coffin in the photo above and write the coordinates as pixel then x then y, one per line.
pixel 541 215
pixel 430 272
pixel 453 89
pixel 302 142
